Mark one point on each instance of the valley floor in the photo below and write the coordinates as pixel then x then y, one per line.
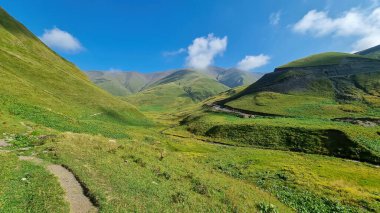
pixel 166 168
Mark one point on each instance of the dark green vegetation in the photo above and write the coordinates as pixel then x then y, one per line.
pixel 294 134
pixel 213 162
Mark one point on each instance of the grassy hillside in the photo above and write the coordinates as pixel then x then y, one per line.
pixel 121 83
pixel 373 52
pixel 181 88
pixel 233 77
pixel 349 88
pixel 118 83
pixel 215 163
pixel 38 85
pixel 329 58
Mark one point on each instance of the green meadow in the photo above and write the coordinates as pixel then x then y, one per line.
pixel 165 149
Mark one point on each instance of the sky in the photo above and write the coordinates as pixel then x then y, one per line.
pixel 158 35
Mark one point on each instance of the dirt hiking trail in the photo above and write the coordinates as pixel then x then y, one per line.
pixel 74 194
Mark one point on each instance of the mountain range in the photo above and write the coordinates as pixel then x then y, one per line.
pixel 303 138
pixel 122 83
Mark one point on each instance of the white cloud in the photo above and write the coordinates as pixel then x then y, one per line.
pixel 203 51
pixel 361 24
pixel 253 62
pixel 61 40
pixel 274 18
pixel 174 53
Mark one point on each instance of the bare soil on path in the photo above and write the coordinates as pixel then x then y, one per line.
pixel 3 143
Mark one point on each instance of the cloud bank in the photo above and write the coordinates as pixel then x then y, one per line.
pixel 252 62
pixel 203 50
pixel 363 24
pixel 61 40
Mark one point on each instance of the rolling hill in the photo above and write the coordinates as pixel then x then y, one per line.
pixel 121 83
pixel 38 85
pixel 64 140
pixel 179 89
pixel 325 104
pixel 327 85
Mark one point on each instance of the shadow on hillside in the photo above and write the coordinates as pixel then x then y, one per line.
pixel 114 116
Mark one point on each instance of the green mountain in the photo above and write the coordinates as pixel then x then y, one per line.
pixel 121 83
pixel 193 160
pixel 327 85
pixel 173 92
pixel 325 104
pixel 373 52
pixel 38 85
pixel 233 77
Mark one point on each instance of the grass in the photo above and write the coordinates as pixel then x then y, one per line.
pixel 320 136
pixel 329 58
pixel 301 105
pixel 38 85
pixel 50 109
pixel 170 94
pixel 307 183
pixel 158 173
pixel 146 175
pixel 25 187
pixel 119 83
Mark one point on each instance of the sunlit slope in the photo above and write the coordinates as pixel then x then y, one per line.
pixel 322 59
pixel 323 85
pixel 38 85
pixel 176 91
pixel 120 83
pixel 233 77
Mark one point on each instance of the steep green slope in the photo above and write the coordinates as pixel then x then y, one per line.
pixel 38 85
pixel 177 90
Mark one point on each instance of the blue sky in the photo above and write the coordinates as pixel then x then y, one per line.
pixel 155 35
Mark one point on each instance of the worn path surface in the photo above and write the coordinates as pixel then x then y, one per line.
pixel 74 194
pixel 3 143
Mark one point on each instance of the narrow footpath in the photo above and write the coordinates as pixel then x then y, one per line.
pixel 74 193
